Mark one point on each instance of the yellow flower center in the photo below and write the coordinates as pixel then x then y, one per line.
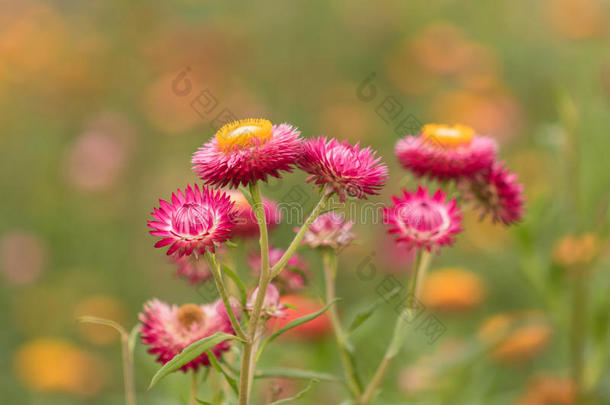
pixel 243 134
pixel 448 136
pixel 189 314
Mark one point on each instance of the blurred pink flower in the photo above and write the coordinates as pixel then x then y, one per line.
pixel 169 329
pixel 97 158
pixel 23 256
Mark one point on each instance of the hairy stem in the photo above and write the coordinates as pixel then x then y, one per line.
pixel 279 266
pixel 421 266
pixel 246 367
pixel 220 286
pixel 330 274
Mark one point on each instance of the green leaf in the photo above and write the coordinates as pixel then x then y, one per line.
pixel 218 367
pixel 231 244
pixel 297 396
pixel 201 401
pixel 362 316
pixel 294 324
pixel 296 374
pixel 189 353
pixel 246 193
pixel 240 285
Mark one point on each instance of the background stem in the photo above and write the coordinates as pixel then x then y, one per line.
pixel 421 266
pixel 130 389
pixel 194 388
pixel 330 274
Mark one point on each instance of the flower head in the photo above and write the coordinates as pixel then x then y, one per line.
pixel 329 230
pixel 169 329
pixel 245 151
pixel 272 307
pixel 194 221
pixel 346 169
pixel 495 192
pixel 423 221
pixel 246 224
pixel 294 276
pixel 192 268
pixel 446 152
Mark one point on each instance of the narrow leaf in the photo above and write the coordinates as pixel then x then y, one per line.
pixel 294 324
pixel 202 402
pixel 362 316
pixel 105 322
pixel 296 374
pixel 218 367
pixel 240 285
pixel 189 353
pixel 297 396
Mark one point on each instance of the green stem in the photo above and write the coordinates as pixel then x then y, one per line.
pixel 330 274
pixel 279 266
pixel 263 282
pixel 194 388
pixel 220 286
pixel 421 266
pixel 578 330
pixel 130 390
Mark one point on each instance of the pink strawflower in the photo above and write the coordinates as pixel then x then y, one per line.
pixel 272 307
pixel 422 221
pixel 496 193
pixel 346 169
pixel 246 225
pixel 193 268
pixel 245 151
pixel 169 329
pixel 194 221
pixel 443 152
pixel 329 230
pixel 294 276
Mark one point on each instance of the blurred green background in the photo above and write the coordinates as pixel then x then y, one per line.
pixel 97 124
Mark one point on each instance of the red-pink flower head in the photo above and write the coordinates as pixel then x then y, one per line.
pixel 496 193
pixel 245 151
pixel 246 225
pixel 419 220
pixel 329 230
pixel 294 276
pixel 272 307
pixel 169 329
pixel 346 169
pixel 446 152
pixel 193 268
pixel 194 221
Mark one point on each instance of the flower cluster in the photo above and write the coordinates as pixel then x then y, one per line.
pixel 193 224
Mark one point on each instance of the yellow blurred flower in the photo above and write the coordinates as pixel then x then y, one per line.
pixel 55 365
pixel 578 19
pixel 452 289
pixel 100 306
pixel 517 337
pixel 548 390
pixel 495 113
pixel 576 251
